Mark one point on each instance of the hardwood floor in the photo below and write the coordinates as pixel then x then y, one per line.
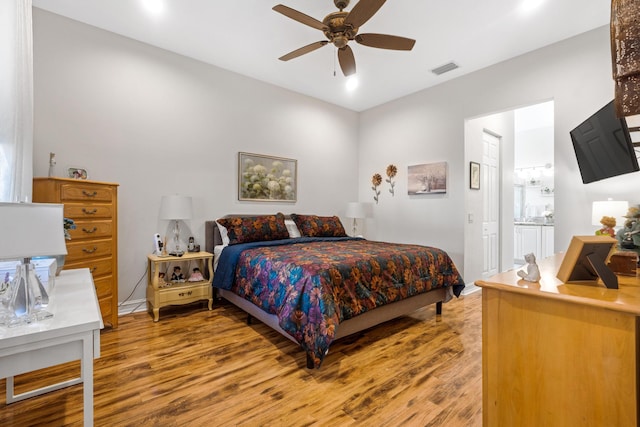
pixel 198 367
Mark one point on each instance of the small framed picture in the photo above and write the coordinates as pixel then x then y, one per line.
pixel 474 176
pixel 77 173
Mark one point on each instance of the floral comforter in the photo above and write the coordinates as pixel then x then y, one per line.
pixel 312 284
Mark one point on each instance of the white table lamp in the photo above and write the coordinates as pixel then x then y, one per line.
pixel 355 210
pixel 176 208
pixel 28 230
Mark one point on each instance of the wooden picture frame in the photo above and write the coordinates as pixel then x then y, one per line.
pixel 267 178
pixel 427 178
pixel 474 175
pixel 77 173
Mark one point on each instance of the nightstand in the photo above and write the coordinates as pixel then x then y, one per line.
pixel 164 292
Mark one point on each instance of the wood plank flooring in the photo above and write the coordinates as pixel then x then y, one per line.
pixel 197 367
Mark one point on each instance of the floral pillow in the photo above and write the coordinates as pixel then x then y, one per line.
pixel 319 226
pixel 254 228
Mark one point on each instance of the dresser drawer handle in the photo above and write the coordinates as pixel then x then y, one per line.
pixel 93 230
pixel 94 268
pixel 89 212
pixel 86 193
pixel 89 251
pixel 182 294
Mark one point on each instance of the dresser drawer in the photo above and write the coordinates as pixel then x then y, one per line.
pixel 98 267
pixel 105 309
pixel 103 286
pixel 92 229
pixel 80 211
pixel 85 192
pixel 85 250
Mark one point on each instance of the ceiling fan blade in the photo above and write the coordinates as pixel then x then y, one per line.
pixel 347 61
pixel 362 12
pixel 385 41
pixel 305 49
pixel 300 17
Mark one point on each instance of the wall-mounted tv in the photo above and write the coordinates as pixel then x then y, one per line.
pixel 603 146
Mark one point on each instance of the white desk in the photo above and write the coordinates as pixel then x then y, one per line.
pixel 73 333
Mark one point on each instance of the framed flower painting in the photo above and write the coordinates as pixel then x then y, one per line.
pixel 266 178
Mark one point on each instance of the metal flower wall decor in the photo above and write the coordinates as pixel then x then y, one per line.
pixel 392 171
pixel 376 180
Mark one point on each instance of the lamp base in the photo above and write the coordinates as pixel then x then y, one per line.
pixel 28 298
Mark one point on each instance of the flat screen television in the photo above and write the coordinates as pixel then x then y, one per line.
pixel 603 146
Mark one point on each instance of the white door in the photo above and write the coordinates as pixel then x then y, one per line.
pixel 490 174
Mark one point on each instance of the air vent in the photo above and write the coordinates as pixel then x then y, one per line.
pixel 450 66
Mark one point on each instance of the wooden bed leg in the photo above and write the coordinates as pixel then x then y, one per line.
pixel 249 319
pixel 439 308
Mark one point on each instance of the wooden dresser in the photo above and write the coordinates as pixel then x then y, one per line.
pixel 94 243
pixel 560 354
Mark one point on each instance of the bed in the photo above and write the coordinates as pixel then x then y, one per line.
pixel 305 278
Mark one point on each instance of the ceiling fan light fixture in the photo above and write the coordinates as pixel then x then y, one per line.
pixel 352 83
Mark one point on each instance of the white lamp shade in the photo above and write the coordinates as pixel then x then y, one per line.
pixel 614 208
pixel 175 207
pixel 31 229
pixel 355 210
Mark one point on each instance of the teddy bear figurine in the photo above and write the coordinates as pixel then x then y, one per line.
pixel 608 225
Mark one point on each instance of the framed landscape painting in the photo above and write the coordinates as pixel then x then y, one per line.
pixel 266 178
pixel 430 178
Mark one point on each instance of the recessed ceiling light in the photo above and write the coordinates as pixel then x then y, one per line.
pixel 154 6
pixel 352 83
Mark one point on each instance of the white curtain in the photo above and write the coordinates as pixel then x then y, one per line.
pixel 16 101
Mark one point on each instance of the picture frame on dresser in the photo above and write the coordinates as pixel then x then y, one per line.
pixel 77 173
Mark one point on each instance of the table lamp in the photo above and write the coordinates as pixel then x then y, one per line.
pixel 176 208
pixel 29 230
pixel 355 211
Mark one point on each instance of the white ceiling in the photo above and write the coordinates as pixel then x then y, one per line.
pixel 247 37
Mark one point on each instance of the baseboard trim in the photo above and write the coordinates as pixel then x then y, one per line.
pixel 133 306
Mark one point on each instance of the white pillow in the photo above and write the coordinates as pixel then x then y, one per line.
pixel 292 228
pixel 223 233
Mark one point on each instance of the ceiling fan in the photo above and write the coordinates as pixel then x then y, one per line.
pixel 341 27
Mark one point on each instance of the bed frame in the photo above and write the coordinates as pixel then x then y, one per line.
pixel 347 327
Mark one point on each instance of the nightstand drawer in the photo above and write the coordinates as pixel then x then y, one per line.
pixel 80 191
pixel 182 294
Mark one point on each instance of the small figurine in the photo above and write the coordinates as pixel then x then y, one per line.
pixel 628 236
pixel 608 223
pixel 192 244
pixel 533 272
pixel 196 275
pixel 177 274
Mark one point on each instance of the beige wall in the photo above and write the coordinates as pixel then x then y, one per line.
pixel 429 126
pixel 158 123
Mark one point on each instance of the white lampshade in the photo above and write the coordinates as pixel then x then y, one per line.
pixel 31 229
pixel 175 207
pixel 614 208
pixel 355 210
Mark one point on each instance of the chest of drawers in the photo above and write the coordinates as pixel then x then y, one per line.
pixel 93 206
